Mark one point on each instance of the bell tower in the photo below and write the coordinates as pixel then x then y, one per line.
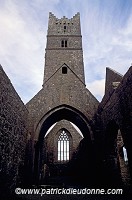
pixel 64 47
pixel 63 99
pixel 64 82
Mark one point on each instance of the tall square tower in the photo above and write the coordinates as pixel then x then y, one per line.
pixel 64 47
pixel 64 82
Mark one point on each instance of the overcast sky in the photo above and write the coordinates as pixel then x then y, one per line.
pixel 106 32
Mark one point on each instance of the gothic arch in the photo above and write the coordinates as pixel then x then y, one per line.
pixel 115 166
pixel 63 112
pixel 55 115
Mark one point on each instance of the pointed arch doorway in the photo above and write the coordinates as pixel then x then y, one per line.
pixel 76 117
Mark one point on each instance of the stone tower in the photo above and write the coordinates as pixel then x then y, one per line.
pixel 64 48
pixel 64 95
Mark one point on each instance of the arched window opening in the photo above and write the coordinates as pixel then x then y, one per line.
pixel 64 70
pixel 121 148
pixel 63 147
pixel 125 154
pixel 123 159
pixel 64 43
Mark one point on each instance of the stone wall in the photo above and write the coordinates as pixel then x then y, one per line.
pixel 124 169
pixel 13 118
pixel 115 114
pixel 117 105
pixel 61 89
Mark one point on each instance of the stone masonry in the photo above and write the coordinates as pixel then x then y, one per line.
pixel 13 130
pixel 114 115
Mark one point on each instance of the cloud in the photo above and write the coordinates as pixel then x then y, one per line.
pixel 22 49
pixel 97 88
pixel 106 41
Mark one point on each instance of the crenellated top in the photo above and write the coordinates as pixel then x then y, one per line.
pixel 53 16
pixel 64 25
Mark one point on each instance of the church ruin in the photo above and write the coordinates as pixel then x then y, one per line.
pixel 63 135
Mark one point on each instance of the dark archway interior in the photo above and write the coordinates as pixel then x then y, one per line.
pixel 81 168
pixel 111 157
pixel 70 114
pixel 110 138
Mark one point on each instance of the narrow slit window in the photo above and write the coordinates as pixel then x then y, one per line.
pixel 125 154
pixel 64 70
pixel 63 147
pixel 62 43
pixel 65 43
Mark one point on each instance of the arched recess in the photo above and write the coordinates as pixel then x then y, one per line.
pixel 59 113
pixel 123 160
pixel 116 170
pixel 63 112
